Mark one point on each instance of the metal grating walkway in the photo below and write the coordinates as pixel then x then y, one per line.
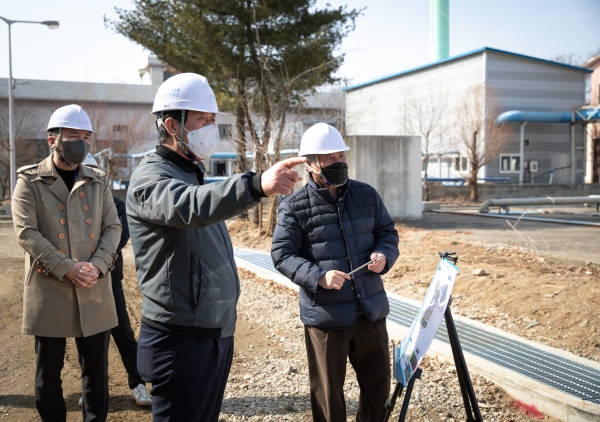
pixel 547 368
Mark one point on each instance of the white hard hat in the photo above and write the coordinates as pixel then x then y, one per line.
pixel 70 116
pixel 90 161
pixel 186 91
pixel 322 139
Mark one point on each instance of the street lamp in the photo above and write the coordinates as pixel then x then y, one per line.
pixel 13 170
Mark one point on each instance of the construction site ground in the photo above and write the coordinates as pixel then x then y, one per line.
pixel 528 289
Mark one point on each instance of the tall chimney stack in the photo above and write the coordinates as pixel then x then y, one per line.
pixel 440 33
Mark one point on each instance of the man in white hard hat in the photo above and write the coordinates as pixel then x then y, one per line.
pixel 327 229
pixel 66 221
pixel 183 253
pixel 123 334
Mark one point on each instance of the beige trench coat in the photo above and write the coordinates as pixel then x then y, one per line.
pixel 56 228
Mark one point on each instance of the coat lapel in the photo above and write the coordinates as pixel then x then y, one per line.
pixel 85 176
pixel 49 175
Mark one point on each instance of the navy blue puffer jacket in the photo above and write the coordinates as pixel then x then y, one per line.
pixel 316 233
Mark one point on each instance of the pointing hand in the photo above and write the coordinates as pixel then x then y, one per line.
pixel 281 177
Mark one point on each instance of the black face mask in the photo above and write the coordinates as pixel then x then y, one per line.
pixel 74 151
pixel 336 174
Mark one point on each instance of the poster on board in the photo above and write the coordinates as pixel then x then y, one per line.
pixel 419 337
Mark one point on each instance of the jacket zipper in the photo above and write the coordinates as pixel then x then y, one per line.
pixel 314 301
pixel 231 260
pixel 345 241
pixel 195 287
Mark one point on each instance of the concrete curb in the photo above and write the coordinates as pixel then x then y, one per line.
pixel 545 399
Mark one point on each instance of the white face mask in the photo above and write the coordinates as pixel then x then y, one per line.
pixel 203 142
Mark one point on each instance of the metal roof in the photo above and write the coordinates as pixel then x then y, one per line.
pixel 462 56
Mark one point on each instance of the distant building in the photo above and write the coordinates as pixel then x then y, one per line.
pixel 124 125
pixel 518 82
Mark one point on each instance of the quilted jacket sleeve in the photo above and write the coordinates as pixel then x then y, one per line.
pixel 286 252
pixel 386 235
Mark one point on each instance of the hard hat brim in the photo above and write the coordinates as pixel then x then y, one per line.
pixel 302 153
pixel 186 109
pixel 69 127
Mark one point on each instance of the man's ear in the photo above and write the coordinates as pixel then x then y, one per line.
pixel 171 126
pixel 52 141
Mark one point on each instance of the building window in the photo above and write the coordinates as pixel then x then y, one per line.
pixel 167 74
pixel 221 168
pixel 526 143
pixel 460 163
pixel 225 132
pixel 119 128
pixel 510 163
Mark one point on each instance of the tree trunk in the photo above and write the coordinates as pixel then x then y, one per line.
pixel 5 183
pixel 272 211
pixel 255 212
pixel 425 184
pixel 474 168
pixel 241 164
pixel 473 184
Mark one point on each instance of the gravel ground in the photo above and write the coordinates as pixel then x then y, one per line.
pixel 269 376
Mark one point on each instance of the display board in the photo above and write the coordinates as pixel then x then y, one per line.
pixel 419 337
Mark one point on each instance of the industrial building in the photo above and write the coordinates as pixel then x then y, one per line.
pixel 510 81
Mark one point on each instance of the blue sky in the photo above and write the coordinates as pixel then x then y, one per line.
pixel 390 36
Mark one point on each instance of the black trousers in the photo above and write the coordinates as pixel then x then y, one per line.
pixel 124 338
pixel 365 344
pixel 93 359
pixel 188 375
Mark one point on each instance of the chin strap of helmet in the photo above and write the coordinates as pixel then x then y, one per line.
pixel 320 173
pixel 182 144
pixel 160 122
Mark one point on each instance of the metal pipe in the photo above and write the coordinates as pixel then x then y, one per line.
pixel 585 169
pixel 439 30
pixel 568 200
pixel 573 163
pixel 11 134
pixel 522 155
pixel 522 218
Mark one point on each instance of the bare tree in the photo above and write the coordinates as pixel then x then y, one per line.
pixel 572 59
pixel 422 116
pixel 282 92
pixel 118 132
pixel 575 59
pixel 27 149
pixel 477 133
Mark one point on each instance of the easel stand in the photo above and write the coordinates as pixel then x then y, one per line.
pixel 466 386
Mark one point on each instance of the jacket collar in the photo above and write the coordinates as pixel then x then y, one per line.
pixel 48 173
pixel 88 174
pixel 181 162
pixel 324 192
pixel 47 169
